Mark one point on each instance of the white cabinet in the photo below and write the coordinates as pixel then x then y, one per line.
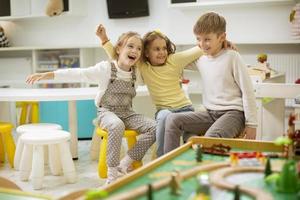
pixel 271 113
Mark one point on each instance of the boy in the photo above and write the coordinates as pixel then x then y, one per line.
pixel 228 95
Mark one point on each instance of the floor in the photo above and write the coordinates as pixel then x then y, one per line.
pixel 55 186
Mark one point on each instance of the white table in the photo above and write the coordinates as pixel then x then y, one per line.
pixel 271 115
pixel 59 94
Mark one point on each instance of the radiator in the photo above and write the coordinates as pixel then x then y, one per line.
pixel 290 65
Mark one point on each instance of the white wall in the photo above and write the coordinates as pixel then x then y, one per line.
pixel 245 24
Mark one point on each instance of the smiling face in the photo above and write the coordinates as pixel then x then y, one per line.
pixel 211 43
pixel 130 52
pixel 157 52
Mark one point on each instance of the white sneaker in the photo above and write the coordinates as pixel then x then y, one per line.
pixel 125 165
pixel 113 174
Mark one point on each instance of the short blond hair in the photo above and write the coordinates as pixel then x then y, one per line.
pixel 210 22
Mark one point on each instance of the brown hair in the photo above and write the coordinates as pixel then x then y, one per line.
pixel 153 35
pixel 210 22
pixel 124 38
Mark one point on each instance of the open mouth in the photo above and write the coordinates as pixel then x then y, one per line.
pixel 132 58
pixel 161 58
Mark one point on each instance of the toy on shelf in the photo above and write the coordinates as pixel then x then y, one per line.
pixel 56 7
pixel 3 39
pixel 295 21
pixel 262 69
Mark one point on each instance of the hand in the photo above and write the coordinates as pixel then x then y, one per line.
pixel 39 76
pixel 229 45
pixel 250 133
pixel 101 33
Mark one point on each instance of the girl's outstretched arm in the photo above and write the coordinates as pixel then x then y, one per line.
pixel 31 79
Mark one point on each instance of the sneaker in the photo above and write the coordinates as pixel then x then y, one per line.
pixel 112 175
pixel 125 165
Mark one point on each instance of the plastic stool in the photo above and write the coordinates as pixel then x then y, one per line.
pixel 28 128
pixel 33 156
pixel 7 143
pixel 34 112
pixel 130 136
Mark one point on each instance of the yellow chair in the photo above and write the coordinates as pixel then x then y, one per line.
pixel 7 143
pixel 34 111
pixel 130 136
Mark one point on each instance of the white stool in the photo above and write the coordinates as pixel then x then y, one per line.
pixel 33 156
pixel 27 128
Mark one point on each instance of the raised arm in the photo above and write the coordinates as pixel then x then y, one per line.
pixel 31 79
pixel 101 33
pixel 106 44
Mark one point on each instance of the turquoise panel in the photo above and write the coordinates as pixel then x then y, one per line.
pixel 57 112
pixel 86 112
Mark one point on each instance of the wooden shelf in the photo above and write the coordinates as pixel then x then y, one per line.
pixel 206 3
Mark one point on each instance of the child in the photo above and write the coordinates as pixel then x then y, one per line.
pixel 228 95
pixel 116 80
pixel 161 71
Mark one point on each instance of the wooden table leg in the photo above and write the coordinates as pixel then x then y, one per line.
pixel 73 129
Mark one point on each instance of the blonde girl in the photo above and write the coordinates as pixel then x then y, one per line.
pixel 116 82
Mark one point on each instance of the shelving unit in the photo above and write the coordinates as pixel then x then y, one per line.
pixel 76 8
pixel 210 3
pixel 35 59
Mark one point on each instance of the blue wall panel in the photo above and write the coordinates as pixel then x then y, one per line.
pixel 57 112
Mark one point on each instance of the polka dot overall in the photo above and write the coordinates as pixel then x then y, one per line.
pixel 116 115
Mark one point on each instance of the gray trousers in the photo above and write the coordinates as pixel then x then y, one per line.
pixel 224 124
pixel 161 117
pixel 116 124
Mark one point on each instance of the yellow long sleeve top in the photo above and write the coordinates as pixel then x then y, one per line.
pixel 163 81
